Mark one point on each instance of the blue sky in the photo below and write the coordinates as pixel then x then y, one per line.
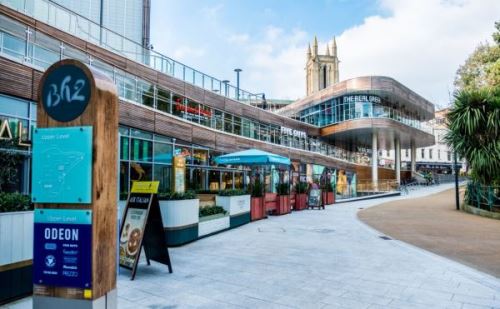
pixel 418 42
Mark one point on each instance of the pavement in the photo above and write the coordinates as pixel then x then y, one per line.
pixel 432 223
pixel 308 259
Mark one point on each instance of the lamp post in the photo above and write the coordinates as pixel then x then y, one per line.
pixel 238 83
pixel 225 82
pixel 457 198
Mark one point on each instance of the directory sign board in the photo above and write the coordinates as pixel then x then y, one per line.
pixel 65 92
pixel 62 253
pixel 62 165
pixel 179 173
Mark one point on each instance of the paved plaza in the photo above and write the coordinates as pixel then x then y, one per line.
pixel 308 259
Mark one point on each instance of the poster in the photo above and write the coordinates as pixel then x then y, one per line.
pixel 62 252
pixel 62 165
pixel 131 234
pixel 179 174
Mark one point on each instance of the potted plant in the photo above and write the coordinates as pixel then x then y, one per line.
pixel 237 203
pixel 283 202
pixel 257 204
pixel 301 196
pixel 327 196
pixel 16 217
pixel 180 216
pixel 212 219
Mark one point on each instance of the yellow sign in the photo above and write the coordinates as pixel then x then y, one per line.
pixel 145 186
pixel 179 174
pixel 87 294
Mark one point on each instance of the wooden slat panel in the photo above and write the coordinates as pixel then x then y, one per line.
pixel 194 93
pixel 15 79
pixel 37 76
pixel 142 71
pixel 170 126
pixel 171 83
pixel 233 107
pixel 205 137
pixel 136 116
pixel 60 35
pixel 214 100
pixel 224 142
pixel 250 112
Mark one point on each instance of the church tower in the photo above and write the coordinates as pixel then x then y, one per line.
pixel 321 70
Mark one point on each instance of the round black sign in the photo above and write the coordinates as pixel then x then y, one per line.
pixel 65 93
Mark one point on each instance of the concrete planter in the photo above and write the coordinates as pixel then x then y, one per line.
pixel 16 254
pixel 238 207
pixel 180 220
pixel 213 224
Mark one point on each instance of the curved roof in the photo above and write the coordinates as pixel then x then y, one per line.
pixel 387 88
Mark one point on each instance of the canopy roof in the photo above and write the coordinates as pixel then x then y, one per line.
pixel 252 157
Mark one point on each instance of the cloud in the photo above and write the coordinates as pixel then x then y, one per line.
pixel 421 43
pixel 238 38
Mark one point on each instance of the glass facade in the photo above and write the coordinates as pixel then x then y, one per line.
pixel 147 156
pixel 358 106
pixel 33 48
pixel 17 118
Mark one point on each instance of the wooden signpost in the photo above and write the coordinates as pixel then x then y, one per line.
pixel 75 150
pixel 142 227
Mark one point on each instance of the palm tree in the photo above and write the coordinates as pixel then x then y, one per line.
pixel 474 127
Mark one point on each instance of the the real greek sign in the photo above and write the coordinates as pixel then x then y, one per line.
pixel 361 98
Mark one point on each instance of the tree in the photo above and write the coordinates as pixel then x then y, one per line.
pixel 474 127
pixel 8 163
pixel 482 68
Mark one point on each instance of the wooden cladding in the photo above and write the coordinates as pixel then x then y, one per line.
pixel 16 79
pixel 365 172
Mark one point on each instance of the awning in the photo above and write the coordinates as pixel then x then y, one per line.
pixel 252 157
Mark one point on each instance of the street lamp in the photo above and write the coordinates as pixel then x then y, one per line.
pixel 457 198
pixel 238 83
pixel 225 82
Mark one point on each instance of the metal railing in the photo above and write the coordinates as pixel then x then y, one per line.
pixel 25 45
pixel 483 197
pixel 68 21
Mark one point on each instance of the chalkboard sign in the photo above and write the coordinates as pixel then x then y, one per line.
pixel 142 227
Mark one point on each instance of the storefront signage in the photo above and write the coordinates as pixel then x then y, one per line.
pixel 292 132
pixel 65 92
pixel 179 173
pixel 145 187
pixel 143 228
pixel 62 165
pixel 62 253
pixel 6 133
pixel 361 98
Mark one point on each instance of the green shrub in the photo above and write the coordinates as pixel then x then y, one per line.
pixel 15 202
pixel 283 189
pixel 301 187
pixel 232 192
pixel 257 189
pixel 327 187
pixel 211 210
pixel 188 195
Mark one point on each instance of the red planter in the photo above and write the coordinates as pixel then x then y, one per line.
pixel 327 198
pixel 283 205
pixel 300 201
pixel 257 208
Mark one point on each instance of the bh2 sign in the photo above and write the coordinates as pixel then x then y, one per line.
pixel 65 92
pixel 62 253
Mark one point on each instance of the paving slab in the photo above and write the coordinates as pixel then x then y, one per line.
pixel 308 259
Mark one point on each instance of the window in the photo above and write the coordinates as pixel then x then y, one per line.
pixel 237 125
pixel 163 100
pixel 178 106
pixel 449 155
pixel 228 123
pixel 430 153
pixel 422 153
pixel 163 153
pixel 439 154
pixel 205 115
pixel 406 153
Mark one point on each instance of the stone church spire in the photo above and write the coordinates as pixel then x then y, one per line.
pixel 322 71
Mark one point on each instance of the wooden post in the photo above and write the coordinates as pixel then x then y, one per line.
pixel 101 113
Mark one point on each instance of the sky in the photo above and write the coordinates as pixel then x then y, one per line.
pixel 420 43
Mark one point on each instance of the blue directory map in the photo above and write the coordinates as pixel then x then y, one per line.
pixel 62 165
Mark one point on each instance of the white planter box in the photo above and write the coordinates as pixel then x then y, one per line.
pixel 178 213
pixel 212 226
pixel 234 204
pixel 16 236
